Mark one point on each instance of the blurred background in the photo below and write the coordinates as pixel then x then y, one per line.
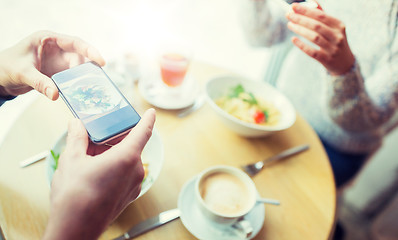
pixel 211 28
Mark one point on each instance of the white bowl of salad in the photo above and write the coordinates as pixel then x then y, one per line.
pixel 152 160
pixel 249 108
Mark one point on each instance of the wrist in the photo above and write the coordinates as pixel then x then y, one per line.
pixel 74 216
pixel 347 68
pixel 353 70
pixel 4 78
pixel 347 85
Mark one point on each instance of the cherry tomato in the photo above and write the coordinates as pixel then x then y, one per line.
pixel 259 117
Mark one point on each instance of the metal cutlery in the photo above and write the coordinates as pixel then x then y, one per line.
pixel 196 105
pixel 151 223
pixel 254 168
pixel 34 159
pixel 268 201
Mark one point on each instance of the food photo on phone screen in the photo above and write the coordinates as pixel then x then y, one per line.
pixel 93 98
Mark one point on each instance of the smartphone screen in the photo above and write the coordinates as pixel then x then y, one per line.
pixel 96 101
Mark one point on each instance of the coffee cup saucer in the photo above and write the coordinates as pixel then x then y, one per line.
pixel 197 224
pixel 159 95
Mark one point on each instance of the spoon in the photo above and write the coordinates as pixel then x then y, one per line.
pixel 195 106
pixel 268 201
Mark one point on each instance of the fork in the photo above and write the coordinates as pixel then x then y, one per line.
pixel 196 105
pixel 254 168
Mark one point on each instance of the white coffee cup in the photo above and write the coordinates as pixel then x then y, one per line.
pixel 225 195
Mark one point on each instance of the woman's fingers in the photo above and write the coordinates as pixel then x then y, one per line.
pixel 316 14
pixel 313 25
pixel 310 35
pixel 319 55
pixel 318 21
pixel 326 32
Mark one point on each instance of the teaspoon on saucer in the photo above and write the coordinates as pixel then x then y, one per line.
pixel 268 201
pixel 195 106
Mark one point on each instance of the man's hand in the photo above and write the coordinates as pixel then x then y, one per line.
pixel 30 63
pixel 89 192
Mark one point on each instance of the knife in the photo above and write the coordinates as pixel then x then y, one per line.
pixel 33 159
pixel 151 223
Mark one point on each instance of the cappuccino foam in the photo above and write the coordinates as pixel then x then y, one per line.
pixel 225 193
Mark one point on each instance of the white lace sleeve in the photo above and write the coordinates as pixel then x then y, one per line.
pixel 357 105
pixel 264 22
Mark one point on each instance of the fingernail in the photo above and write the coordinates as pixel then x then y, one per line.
pixel 50 93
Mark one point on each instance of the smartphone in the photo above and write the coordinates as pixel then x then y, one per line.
pixel 93 98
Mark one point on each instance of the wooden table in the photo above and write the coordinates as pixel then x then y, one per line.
pixel 303 183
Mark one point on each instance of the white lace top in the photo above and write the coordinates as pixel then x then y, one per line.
pixel 351 112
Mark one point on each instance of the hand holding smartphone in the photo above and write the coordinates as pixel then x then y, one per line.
pixel 93 98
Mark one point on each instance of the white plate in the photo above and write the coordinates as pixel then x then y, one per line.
pixel 201 228
pixel 152 154
pixel 159 95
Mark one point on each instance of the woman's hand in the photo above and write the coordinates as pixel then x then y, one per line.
pixel 326 32
pixel 93 185
pixel 30 63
